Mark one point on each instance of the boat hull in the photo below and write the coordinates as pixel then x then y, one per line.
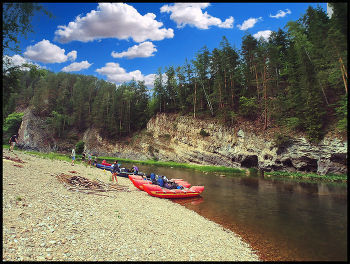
pixel 104 167
pixel 157 191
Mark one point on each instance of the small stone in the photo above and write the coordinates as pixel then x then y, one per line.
pixel 40 258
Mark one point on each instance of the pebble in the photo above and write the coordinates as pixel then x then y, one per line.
pixel 65 225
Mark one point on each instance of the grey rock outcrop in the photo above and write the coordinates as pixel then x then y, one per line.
pixel 237 148
pixel 170 137
pixel 32 134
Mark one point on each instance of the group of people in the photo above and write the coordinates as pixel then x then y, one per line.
pixel 89 159
pixel 115 165
pixel 83 158
pixel 116 170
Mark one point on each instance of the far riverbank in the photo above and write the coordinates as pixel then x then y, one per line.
pixel 210 169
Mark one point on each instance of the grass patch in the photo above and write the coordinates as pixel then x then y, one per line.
pixel 309 176
pixel 50 156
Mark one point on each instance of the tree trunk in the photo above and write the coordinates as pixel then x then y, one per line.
pixel 195 100
pixel 265 125
pixel 257 82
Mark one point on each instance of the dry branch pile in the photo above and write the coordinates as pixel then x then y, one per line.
pixel 82 184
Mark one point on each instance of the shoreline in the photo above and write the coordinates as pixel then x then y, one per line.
pixel 43 220
pixel 341 178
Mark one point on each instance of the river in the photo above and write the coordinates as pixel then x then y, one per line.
pixel 284 220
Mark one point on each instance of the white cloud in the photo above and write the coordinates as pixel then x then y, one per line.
pixel 72 55
pixel 77 66
pixel 113 20
pixel 144 50
pixel 249 23
pixel 228 23
pixel 191 14
pixel 281 13
pixel 265 34
pixel 118 75
pixel 46 52
pixel 17 60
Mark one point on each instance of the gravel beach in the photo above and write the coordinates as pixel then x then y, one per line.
pixel 43 220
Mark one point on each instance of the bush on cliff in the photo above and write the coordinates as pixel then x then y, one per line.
pixel 11 126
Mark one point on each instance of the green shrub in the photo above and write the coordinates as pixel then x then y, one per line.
pixel 203 133
pixel 11 126
pixel 342 114
pixel 80 146
pixel 280 140
pixel 248 106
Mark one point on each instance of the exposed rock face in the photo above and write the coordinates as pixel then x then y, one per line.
pixel 32 134
pixel 170 137
pixel 237 148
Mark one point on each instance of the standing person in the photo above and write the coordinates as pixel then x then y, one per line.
pixel 73 155
pixel 115 171
pixel 13 141
pixel 89 159
pixel 83 157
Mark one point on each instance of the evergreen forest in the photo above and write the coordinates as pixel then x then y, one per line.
pixel 295 79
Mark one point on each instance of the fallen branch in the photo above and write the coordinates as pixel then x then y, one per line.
pixel 81 184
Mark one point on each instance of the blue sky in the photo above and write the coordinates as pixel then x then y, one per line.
pixel 120 41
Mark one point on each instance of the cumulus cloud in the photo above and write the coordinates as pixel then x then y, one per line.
pixel 77 66
pixel 118 75
pixel 249 23
pixel 113 20
pixel 228 23
pixel 72 55
pixel 144 50
pixel 46 52
pixel 265 34
pixel 281 13
pixel 17 60
pixel 191 14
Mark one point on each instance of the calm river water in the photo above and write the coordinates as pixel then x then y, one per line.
pixel 282 219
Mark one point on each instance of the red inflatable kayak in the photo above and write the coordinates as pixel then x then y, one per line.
pixel 157 191
pixel 106 164
pixel 138 181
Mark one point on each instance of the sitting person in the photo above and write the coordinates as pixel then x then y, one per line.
pixel 168 185
pixel 135 170
pixel 95 162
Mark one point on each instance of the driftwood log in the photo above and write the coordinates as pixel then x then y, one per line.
pixel 82 184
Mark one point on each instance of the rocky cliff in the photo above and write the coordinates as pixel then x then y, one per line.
pixel 170 137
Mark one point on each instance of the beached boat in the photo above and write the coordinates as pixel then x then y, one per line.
pixel 157 191
pixel 139 181
pixel 104 167
pixel 123 172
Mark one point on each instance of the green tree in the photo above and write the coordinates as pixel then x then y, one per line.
pixel 159 91
pixel 248 52
pixel 202 74
pixel 17 20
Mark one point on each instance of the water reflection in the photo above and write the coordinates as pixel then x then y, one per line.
pixel 297 220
